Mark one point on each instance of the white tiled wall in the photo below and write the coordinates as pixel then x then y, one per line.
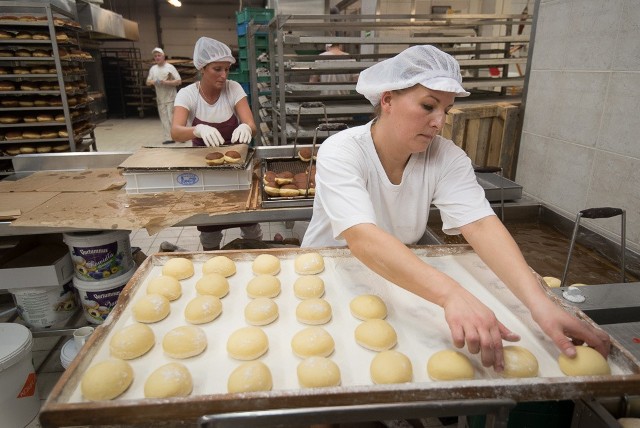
pixel 579 146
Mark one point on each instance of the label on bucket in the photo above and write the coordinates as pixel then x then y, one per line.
pixel 98 304
pixel 29 387
pixel 99 262
pixel 44 306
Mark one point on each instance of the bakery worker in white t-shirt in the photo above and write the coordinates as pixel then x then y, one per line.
pixel 166 79
pixel 374 186
pixel 212 112
pixel 334 50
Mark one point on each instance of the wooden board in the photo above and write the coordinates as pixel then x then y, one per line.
pixel 163 158
pixel 343 274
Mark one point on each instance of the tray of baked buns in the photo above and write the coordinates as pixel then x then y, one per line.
pixel 289 181
pixel 233 156
pixel 205 333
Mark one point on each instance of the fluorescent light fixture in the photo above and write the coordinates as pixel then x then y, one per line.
pixel 175 3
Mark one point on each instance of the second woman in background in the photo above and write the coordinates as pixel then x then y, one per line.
pixel 213 112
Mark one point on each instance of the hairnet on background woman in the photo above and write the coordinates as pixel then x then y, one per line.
pixel 376 182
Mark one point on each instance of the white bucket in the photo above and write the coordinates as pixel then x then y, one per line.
pixel 99 297
pixel 99 255
pixel 68 353
pixel 45 306
pixel 19 400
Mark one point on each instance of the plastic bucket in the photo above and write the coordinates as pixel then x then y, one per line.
pixel 19 400
pixel 98 298
pixel 68 353
pixel 45 306
pixel 99 255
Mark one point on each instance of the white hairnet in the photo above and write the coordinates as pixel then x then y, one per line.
pixel 425 65
pixel 209 50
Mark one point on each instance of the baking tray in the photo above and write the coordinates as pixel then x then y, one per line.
pixel 420 326
pixel 280 165
pixel 148 159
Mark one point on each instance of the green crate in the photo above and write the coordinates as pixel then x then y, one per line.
pixel 239 76
pixel 259 15
pixel 258 41
pixel 243 53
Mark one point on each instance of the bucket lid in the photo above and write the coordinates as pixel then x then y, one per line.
pixel 15 343
pixel 68 353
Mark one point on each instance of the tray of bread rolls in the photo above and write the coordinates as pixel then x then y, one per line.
pixel 289 181
pixel 207 333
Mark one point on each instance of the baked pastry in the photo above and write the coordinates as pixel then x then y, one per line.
pixel 27 150
pixel 305 154
pixel 9 118
pixel 40 36
pixel 13 135
pixel 43 149
pixel 27 18
pixel 6 53
pixel 271 188
pixel 31 134
pixel 25 102
pixel 61 148
pixel 23 52
pixel 9 102
pixel 214 158
pixel 269 176
pixel 42 53
pixel 289 190
pixel 12 151
pixel 29 86
pixel 5 34
pixel 24 35
pixel 63 133
pixel 59 118
pixel 232 156
pixel 39 70
pixel 62 37
pixel 21 70
pixel 42 117
pixel 285 177
pixel 30 119
pixel 4 70
pixel 49 133
pixel 7 86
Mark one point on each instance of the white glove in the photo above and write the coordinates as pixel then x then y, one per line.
pixel 242 134
pixel 210 135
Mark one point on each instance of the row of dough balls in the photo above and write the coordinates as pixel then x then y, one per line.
pixel 264 264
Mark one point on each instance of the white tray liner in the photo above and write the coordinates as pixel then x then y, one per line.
pixel 420 325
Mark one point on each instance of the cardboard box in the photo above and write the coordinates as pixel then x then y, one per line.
pixel 48 264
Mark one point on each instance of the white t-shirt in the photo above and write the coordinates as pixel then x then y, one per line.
pixel 189 98
pixel 164 93
pixel 352 188
pixel 336 78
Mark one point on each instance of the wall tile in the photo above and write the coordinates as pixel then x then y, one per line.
pixel 620 124
pixel 530 173
pixel 627 51
pixel 566 105
pixel 592 32
pixel 614 182
pixel 567 171
pixel 551 33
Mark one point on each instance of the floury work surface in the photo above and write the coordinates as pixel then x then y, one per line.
pixel 420 328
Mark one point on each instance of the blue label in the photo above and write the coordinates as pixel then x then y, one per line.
pixel 187 179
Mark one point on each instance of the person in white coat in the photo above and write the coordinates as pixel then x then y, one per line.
pixel 376 182
pixel 165 78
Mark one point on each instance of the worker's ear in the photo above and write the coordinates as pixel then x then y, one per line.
pixel 385 100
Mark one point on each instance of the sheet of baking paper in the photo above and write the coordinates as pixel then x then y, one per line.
pixel 95 179
pixel 419 324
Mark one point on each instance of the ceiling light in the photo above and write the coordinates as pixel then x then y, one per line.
pixel 175 3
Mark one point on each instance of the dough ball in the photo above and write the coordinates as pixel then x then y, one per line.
pixel 316 372
pixel 261 311
pixel 375 334
pixel 312 341
pixel 166 285
pixel 263 286
pixel 151 308
pixel 391 367
pixel 449 364
pixel 247 343
pixel 213 284
pixel 368 306
pixel 587 362
pixel 250 377
pixel 106 380
pixel 313 311
pixel 184 342
pixel 266 264
pixel 309 264
pixel 629 422
pixel 132 341
pixel 202 309
pixel 519 362
pixel 308 287
pixel 170 380
pixel 552 281
pixel 178 267
pixel 219 264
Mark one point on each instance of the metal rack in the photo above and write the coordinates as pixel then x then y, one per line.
pixel 483 44
pixel 49 81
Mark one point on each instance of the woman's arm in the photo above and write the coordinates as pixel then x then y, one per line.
pixel 243 111
pixel 469 320
pixel 495 246
pixel 179 129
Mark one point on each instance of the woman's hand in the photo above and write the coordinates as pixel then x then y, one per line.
pixel 242 134
pixel 474 324
pixel 210 135
pixel 566 330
